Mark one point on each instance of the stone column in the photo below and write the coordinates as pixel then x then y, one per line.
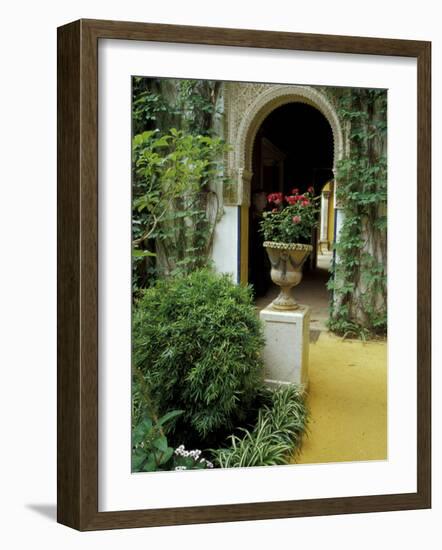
pixel 325 198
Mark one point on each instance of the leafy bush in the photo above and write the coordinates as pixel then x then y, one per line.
pixel 151 451
pixel 174 211
pixel 150 447
pixel 276 436
pixel 197 342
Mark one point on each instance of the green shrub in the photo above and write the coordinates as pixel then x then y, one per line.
pixel 174 211
pixel 150 448
pixel 276 436
pixel 197 342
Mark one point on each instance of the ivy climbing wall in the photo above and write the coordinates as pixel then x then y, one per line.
pixel 359 277
pixel 178 156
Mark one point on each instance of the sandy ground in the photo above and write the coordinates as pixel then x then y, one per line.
pixel 347 397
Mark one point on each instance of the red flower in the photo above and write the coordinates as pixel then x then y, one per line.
pixel 291 199
pixel 296 219
pixel 295 191
pixel 274 210
pixel 311 190
pixel 305 202
pixel 275 198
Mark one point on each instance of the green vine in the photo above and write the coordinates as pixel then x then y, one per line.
pixel 359 278
pixel 177 162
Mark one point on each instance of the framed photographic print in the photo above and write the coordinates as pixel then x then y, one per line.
pixel 244 274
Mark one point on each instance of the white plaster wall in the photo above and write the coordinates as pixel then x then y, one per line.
pixel 226 242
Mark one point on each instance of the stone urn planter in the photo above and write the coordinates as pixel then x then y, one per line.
pixel 286 261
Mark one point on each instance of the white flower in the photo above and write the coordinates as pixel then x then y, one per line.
pixel 180 450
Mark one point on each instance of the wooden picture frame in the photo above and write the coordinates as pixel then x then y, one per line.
pixel 77 461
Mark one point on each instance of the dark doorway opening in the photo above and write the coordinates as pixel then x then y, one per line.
pixel 293 148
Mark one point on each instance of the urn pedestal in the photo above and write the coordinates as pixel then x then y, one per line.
pixel 286 351
pixel 286 323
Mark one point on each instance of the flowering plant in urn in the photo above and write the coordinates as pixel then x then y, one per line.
pixel 287 228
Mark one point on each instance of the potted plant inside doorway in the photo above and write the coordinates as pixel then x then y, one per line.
pixel 287 229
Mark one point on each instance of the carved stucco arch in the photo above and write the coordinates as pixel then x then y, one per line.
pixel 254 115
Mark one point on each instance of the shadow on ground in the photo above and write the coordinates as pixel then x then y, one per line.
pixel 48 511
